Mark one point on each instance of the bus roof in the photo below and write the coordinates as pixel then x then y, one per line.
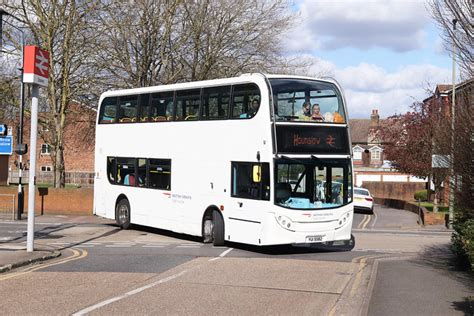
pixel 248 77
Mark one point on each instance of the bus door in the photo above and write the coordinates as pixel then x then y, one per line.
pixel 250 189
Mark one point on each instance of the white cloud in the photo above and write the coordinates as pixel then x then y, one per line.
pixel 370 87
pixel 363 24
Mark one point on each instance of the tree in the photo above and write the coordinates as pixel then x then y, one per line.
pixel 9 87
pixel 411 140
pixel 159 42
pixel 443 12
pixel 66 29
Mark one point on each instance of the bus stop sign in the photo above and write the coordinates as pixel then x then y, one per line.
pixel 6 145
pixel 3 130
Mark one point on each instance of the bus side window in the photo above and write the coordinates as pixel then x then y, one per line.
pixel 244 95
pixel 162 106
pixel 111 169
pixel 243 185
pixel 126 171
pixel 144 115
pixel 108 111
pixel 187 105
pixel 141 173
pixel 159 173
pixel 127 110
pixel 215 103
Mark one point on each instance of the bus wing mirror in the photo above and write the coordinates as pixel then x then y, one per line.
pixel 256 173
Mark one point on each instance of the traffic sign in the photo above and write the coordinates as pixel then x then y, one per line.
pixel 6 145
pixel 36 65
pixel 3 129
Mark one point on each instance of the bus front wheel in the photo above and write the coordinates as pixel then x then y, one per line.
pixel 122 214
pixel 217 229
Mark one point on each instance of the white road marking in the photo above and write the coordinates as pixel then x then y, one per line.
pixel 153 246
pixel 222 254
pixel 130 293
pixel 118 246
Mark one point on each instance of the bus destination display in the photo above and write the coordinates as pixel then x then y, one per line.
pixel 312 139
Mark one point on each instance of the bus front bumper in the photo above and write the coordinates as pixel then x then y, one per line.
pixel 305 233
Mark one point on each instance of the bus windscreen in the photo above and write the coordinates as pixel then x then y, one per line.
pixel 307 100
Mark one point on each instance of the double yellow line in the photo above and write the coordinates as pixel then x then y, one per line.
pixel 76 254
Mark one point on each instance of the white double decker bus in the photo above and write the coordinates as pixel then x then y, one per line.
pixel 237 159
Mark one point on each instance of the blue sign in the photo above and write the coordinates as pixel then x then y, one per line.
pixel 3 129
pixel 6 145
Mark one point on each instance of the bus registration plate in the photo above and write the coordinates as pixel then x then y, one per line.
pixel 316 238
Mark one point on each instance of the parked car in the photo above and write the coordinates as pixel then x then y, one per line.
pixel 363 200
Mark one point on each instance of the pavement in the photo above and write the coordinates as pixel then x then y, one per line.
pixel 14 256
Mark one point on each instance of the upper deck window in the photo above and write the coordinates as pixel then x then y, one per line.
pixel 307 100
pixel 187 105
pixel 246 101
pixel 127 109
pixel 108 110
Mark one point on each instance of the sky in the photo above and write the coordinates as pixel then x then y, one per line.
pixel 384 53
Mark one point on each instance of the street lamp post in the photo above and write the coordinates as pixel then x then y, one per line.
pixel 21 148
pixel 453 103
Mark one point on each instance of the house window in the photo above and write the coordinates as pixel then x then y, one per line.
pixel 46 168
pixel 357 154
pixel 375 155
pixel 45 149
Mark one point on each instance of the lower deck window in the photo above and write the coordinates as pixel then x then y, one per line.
pixel 141 172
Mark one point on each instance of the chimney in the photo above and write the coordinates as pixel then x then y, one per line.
pixel 374 119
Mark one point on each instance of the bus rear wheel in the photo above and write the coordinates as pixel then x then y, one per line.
pixel 122 214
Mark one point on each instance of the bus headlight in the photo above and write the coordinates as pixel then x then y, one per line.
pixel 343 219
pixel 285 222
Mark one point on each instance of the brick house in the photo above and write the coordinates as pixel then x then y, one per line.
pixel 370 169
pixel 441 101
pixel 366 143
pixel 78 145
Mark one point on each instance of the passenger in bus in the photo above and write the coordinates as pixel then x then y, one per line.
pixel 316 115
pixel 253 108
pixel 307 109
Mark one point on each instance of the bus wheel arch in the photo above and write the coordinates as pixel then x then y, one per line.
pixel 122 211
pixel 213 226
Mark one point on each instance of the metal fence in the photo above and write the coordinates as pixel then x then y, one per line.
pixel 47 177
pixel 7 206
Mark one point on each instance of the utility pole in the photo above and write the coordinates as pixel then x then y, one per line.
pixel 453 99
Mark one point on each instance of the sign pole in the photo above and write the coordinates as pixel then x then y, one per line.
pixel 32 175
pixel 36 72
